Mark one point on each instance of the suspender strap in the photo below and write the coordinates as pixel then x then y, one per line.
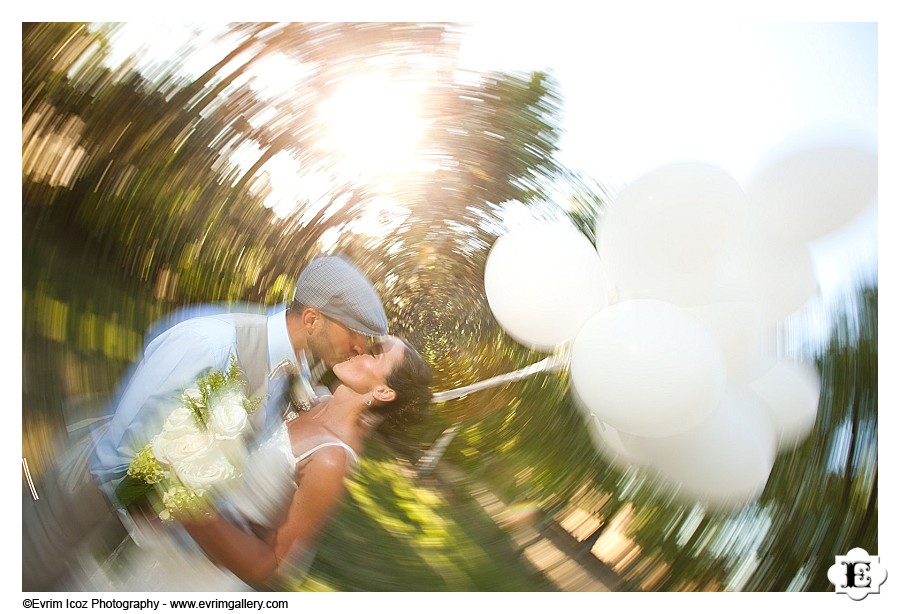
pixel 253 351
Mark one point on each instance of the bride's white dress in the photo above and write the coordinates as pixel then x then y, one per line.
pixel 162 556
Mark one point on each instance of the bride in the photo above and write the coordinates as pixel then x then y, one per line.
pixel 264 528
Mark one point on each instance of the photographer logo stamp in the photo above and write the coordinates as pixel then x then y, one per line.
pixel 857 574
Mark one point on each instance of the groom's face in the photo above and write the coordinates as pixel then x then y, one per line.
pixel 332 342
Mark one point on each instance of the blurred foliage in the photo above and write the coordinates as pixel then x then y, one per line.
pixel 145 190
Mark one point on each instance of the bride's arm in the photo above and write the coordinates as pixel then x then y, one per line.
pixel 255 560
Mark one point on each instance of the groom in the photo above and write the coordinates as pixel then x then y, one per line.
pixel 334 313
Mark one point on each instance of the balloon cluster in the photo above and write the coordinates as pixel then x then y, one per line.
pixel 670 322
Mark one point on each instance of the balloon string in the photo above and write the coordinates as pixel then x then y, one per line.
pixel 551 363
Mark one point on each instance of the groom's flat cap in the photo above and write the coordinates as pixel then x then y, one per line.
pixel 340 291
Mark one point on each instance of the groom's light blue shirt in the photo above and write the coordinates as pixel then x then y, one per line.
pixel 172 362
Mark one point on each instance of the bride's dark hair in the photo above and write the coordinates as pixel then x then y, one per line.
pixel 411 381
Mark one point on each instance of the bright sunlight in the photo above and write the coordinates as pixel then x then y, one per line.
pixel 373 124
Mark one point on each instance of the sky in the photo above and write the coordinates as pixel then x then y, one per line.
pixel 728 94
pixel 642 95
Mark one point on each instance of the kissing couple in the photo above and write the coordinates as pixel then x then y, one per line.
pixel 225 453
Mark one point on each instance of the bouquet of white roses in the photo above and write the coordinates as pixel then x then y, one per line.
pixel 197 449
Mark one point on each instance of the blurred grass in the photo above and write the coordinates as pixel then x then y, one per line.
pixel 396 532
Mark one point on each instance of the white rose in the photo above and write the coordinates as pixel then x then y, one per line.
pixel 181 442
pixel 201 471
pixel 227 416
pixel 179 422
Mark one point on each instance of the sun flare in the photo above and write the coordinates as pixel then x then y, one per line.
pixel 374 123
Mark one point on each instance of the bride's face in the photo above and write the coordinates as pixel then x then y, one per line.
pixel 366 372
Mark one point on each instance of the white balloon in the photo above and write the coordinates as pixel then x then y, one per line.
pixel 783 279
pixel 764 359
pixel 543 282
pixel 605 438
pixel 608 442
pixel 647 368
pixel 737 327
pixel 724 462
pixel 805 193
pixel 665 232
pixel 790 394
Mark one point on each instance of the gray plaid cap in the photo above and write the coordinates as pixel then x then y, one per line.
pixel 340 291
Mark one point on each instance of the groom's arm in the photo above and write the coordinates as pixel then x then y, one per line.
pixel 171 364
